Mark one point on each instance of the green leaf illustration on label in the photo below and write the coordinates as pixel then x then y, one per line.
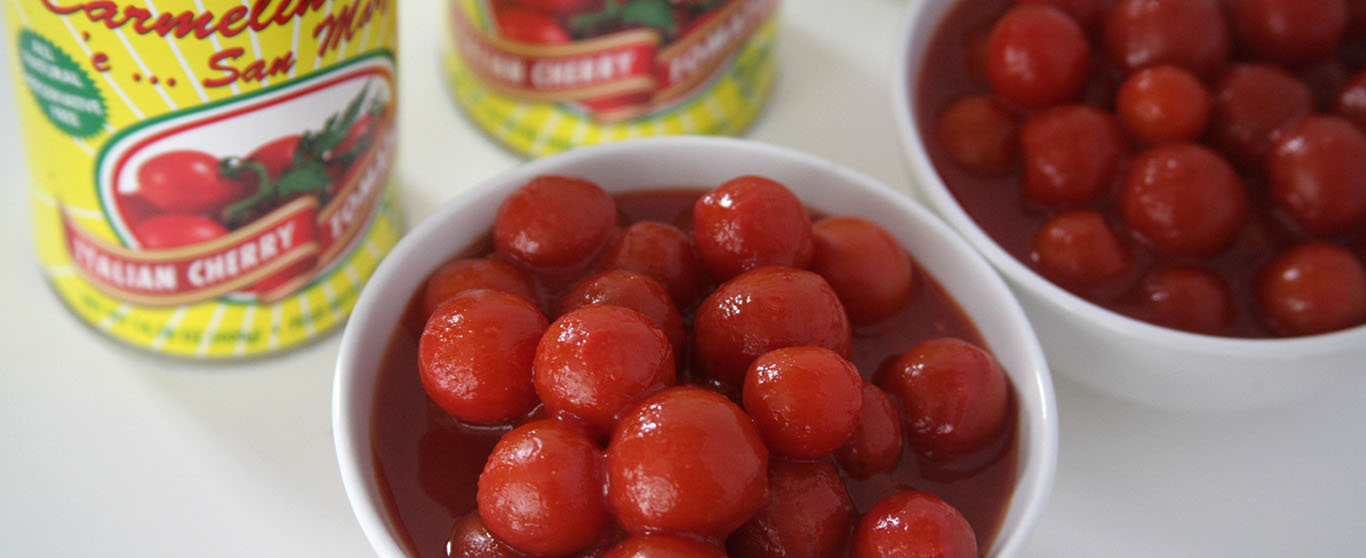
pixel 61 87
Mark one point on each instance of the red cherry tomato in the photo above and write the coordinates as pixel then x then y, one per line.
pixel 910 523
pixel 277 156
pixel 525 25
pixel 1325 80
pixel 362 127
pixel 1037 56
pixel 630 290
pixel 875 446
pixel 187 182
pixel 1317 174
pixel 955 394
pixel 563 7
pixel 1350 102
pixel 808 515
pixel 1188 298
pixel 1191 34
pixel 1184 200
pixel 170 230
pixel 686 460
pixel 979 135
pixel 869 270
pixel 1072 154
pixel 597 360
pixel 750 222
pixel 664 546
pixel 1313 288
pixel 1163 103
pixel 463 275
pixel 541 489
pixel 1289 31
pixel 475 356
pixel 1251 104
pixel 554 222
pixel 1077 248
pixel 804 400
pixel 134 209
pixel 1089 13
pixel 765 309
pixel 663 252
pixel 470 538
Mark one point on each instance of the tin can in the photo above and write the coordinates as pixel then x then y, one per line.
pixel 542 76
pixel 209 179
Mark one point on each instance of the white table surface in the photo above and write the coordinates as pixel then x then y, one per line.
pixel 109 452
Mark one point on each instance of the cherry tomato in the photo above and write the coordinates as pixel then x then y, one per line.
pixel 134 209
pixel 630 290
pixel 1252 102
pixel 1289 31
pixel 765 309
pixel 750 222
pixel 1191 34
pixel 1350 102
pixel 1077 248
pixel 804 400
pixel 1325 81
pixel 808 515
pixel 664 546
pixel 554 222
pixel 955 394
pixel 463 275
pixel 686 460
pixel 594 362
pixel 1072 154
pixel 277 156
pixel 869 270
pixel 526 25
pixel 875 446
pixel 1312 288
pixel 563 7
pixel 1317 174
pixel 979 135
pixel 187 182
pixel 1184 200
pixel 359 130
pixel 663 252
pixel 475 356
pixel 911 523
pixel 170 230
pixel 1090 14
pixel 1163 103
pixel 541 489
pixel 1037 56
pixel 1188 298
pixel 470 538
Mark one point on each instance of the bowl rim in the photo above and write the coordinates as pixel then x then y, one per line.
pixel 1034 477
pixel 909 61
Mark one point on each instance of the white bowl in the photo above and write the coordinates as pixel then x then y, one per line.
pixel 1110 352
pixel 670 162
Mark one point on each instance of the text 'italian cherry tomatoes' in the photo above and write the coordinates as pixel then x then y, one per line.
pixel 911 523
pixel 750 222
pixel 187 182
pixel 170 230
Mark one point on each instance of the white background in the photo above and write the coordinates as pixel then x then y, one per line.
pixel 108 452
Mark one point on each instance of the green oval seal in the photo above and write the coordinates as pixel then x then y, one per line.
pixel 62 88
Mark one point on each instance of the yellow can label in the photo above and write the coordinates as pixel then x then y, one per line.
pixel 210 178
pixel 543 76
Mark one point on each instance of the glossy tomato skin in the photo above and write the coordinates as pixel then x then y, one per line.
pixel 541 489
pixel 468 274
pixel 632 290
pixel 955 394
pixel 525 25
pixel 470 538
pixel 554 222
pixel 914 524
pixel 867 268
pixel 1188 298
pixel 187 182
pixel 664 546
pixel 1163 103
pixel 750 222
pixel 475 356
pixel 595 361
pixel 1350 101
pixel 875 446
pixel 1037 56
pixel 761 310
pixel 1090 14
pixel 1312 288
pixel 1191 34
pixel 1078 248
pixel 980 135
pixel 686 461
pixel 1252 102
pixel 804 400
pixel 1184 200
pixel 663 252
pixel 1317 174
pixel 1289 31
pixel 1072 154
pixel 171 230
pixel 808 515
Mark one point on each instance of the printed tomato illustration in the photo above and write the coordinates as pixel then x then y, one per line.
pixel 171 230
pixel 525 25
pixel 562 7
pixel 187 181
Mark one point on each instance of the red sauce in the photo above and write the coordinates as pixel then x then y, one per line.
pixel 998 207
pixel 428 463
